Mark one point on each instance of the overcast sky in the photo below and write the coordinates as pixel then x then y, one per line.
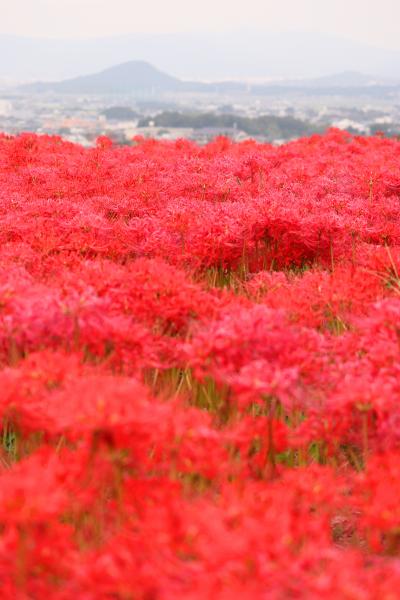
pixel 373 21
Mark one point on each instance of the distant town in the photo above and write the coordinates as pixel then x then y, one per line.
pixel 136 99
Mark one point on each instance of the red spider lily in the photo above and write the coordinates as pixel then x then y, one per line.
pixel 199 367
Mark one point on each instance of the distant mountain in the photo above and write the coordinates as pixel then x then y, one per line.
pixel 135 75
pixel 142 78
pixel 345 79
pixel 234 55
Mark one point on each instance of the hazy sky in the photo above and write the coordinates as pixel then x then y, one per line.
pixel 373 21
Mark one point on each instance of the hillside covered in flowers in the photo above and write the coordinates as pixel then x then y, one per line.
pixel 200 369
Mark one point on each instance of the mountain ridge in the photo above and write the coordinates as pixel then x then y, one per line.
pixel 140 76
pixel 200 56
pixel 121 78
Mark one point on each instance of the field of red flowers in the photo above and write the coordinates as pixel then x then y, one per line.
pixel 200 369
